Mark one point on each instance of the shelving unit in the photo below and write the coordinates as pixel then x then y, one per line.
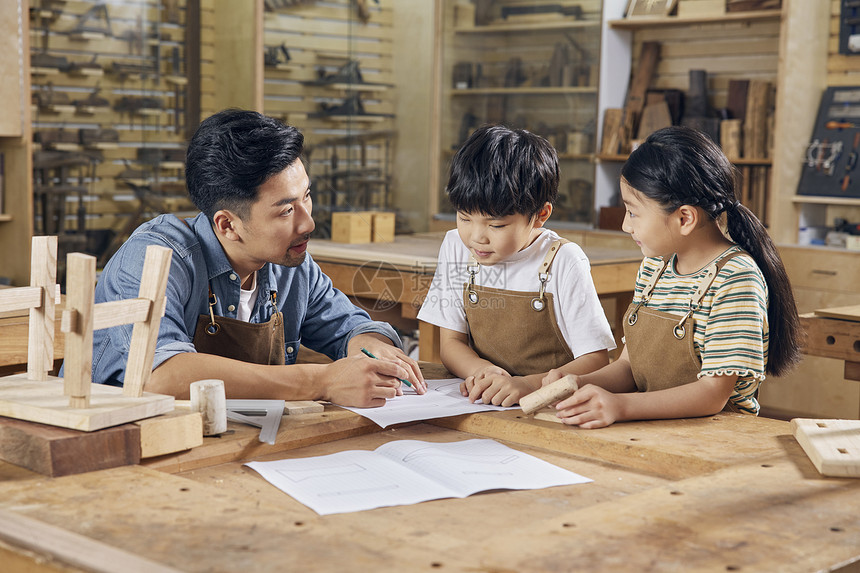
pixel 535 71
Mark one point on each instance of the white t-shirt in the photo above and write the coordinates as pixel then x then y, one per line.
pixel 577 309
pixel 247 298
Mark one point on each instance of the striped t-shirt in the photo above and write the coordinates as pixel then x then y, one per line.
pixel 731 334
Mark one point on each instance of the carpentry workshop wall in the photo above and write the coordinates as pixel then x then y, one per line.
pixel 530 65
pixel 108 117
pixel 329 71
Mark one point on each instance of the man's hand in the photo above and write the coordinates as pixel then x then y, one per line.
pixel 383 349
pixel 361 382
pixel 591 407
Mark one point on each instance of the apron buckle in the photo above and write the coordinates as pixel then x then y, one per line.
pixel 538 304
pixel 632 318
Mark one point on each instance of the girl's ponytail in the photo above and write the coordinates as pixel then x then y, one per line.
pixel 785 331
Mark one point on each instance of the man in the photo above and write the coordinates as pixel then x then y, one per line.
pixel 244 259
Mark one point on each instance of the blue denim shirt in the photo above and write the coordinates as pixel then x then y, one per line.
pixel 315 313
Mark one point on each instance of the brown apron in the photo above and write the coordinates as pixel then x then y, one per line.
pixel 660 344
pixel 258 343
pixel 516 330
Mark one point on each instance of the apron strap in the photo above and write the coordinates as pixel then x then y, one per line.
pixel 648 289
pixel 550 255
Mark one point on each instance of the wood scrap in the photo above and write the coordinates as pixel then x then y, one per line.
pixel 642 77
pixel 833 446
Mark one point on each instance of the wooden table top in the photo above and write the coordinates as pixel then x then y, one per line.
pixel 419 252
pixel 721 493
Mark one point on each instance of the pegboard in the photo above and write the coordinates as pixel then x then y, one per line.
pixel 830 167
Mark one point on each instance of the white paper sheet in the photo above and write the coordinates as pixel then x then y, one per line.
pixel 405 472
pixel 442 399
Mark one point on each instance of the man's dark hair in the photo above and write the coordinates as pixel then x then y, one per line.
pixel 501 171
pixel 232 153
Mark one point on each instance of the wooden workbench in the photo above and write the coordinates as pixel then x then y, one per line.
pixel 835 333
pixel 721 493
pixel 395 276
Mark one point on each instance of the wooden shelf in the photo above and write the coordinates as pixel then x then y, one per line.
pixel 4 218
pixel 822 200
pixel 641 22
pixel 538 90
pixel 528 27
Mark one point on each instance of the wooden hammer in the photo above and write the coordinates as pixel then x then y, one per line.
pixel 558 390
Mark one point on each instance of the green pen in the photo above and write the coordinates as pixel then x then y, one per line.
pixel 366 351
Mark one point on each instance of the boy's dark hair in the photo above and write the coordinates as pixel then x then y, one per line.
pixel 678 166
pixel 501 171
pixel 232 153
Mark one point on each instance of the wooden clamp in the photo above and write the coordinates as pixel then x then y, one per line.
pixel 558 390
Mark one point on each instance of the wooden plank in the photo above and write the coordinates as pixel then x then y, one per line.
pixel 174 431
pixel 55 452
pixel 45 403
pixel 20 298
pixel 52 543
pixel 833 446
pixel 851 313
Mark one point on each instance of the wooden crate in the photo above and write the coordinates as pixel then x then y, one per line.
pixel 351 227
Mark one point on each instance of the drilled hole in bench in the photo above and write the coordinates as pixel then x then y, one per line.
pixel 830 340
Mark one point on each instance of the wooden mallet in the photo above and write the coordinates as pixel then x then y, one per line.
pixel 558 390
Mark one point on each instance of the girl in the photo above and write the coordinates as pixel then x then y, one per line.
pixel 711 312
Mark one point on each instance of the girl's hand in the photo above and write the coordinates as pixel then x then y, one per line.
pixel 590 407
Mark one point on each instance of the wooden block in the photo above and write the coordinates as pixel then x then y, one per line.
pixel 611 218
pixel 44 402
pixel 613 118
pixel 351 227
pixel 303 407
pixel 737 101
pixel 172 432
pixel 701 8
pixel 731 138
pixel 549 394
pixel 833 446
pixel 579 143
pixel 755 126
pixel 851 313
pixel 57 452
pixel 654 116
pixel 464 15
pixel 748 5
pixel 382 227
pixel 642 76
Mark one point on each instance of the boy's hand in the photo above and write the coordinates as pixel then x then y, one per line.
pixel 590 407
pixel 499 390
pixel 480 374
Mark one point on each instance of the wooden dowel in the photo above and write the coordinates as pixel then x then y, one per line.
pixel 208 398
pixel 558 390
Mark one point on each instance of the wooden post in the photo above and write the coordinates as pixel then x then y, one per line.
pixel 80 291
pixel 208 397
pixel 156 268
pixel 43 274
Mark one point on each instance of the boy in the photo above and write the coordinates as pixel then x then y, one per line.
pixel 512 299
